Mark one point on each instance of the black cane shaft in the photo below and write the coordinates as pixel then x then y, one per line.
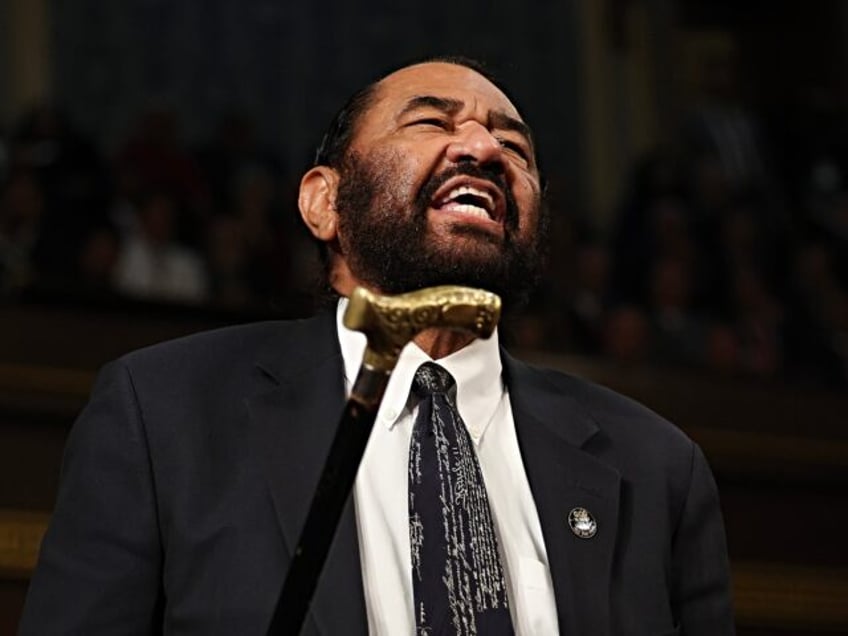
pixel 333 489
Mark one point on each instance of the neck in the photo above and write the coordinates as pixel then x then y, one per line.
pixel 439 343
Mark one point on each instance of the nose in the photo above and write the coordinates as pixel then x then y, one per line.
pixel 474 142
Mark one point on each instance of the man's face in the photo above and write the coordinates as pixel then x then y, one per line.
pixel 440 186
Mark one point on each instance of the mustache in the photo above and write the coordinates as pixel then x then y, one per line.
pixel 492 174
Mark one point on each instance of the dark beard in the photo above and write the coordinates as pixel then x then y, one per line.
pixel 389 247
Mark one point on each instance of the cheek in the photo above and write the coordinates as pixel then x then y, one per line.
pixel 400 179
pixel 406 180
pixel 416 171
pixel 527 195
pixel 412 164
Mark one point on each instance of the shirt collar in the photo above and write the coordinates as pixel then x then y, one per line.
pixel 476 369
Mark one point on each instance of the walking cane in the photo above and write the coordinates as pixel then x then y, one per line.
pixel 389 323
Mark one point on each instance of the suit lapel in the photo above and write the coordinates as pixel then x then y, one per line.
pixel 293 418
pixel 554 434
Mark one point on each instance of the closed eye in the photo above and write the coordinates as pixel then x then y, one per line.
pixel 431 121
pixel 515 147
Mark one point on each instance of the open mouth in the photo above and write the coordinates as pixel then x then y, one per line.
pixel 472 197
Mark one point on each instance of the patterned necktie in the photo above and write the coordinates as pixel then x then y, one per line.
pixel 457 578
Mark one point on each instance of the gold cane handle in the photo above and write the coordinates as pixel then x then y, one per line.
pixel 389 322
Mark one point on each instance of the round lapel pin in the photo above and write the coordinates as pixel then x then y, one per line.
pixel 582 523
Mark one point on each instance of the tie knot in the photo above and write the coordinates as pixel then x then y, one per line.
pixel 430 378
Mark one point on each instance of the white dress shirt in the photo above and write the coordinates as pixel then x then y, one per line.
pixel 381 488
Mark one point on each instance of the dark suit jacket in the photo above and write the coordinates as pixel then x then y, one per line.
pixel 188 475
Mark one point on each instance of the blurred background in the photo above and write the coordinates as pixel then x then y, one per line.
pixel 696 154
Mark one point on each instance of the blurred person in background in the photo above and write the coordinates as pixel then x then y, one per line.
pixel 152 264
pixel 73 182
pixel 816 326
pixel 627 335
pixel 155 159
pixel 256 206
pixel 678 330
pixel 98 259
pixel 588 300
pixel 228 260
pixel 233 152
pixel 722 128
pixel 21 222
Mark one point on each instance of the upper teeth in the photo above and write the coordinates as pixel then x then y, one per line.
pixel 458 192
pixel 482 194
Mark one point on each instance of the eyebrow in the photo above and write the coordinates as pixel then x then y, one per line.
pixel 497 118
pixel 446 105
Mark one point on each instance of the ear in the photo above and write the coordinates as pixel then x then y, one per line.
pixel 317 202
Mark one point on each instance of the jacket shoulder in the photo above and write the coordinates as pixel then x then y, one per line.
pixel 230 346
pixel 618 416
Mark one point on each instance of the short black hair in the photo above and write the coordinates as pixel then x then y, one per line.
pixel 339 135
